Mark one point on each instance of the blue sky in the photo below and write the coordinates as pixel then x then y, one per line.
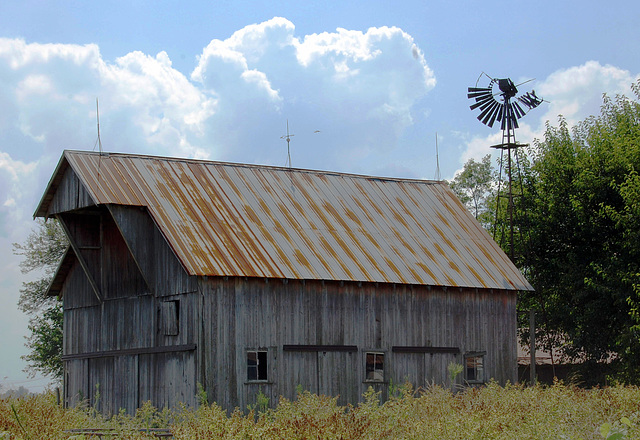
pixel 219 80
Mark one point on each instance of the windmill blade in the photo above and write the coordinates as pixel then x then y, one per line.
pixel 486 114
pixel 480 94
pixel 489 112
pixel 483 97
pixel 505 116
pixel 475 92
pixel 481 102
pixel 500 114
pixel 517 109
pixel 488 103
pixel 509 121
pixel 512 121
pixel 496 115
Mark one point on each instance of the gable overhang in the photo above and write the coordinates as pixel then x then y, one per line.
pixel 57 282
pixel 42 210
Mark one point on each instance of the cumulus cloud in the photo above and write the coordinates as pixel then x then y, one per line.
pixel 576 92
pixel 358 87
pixel 51 89
pixel 361 84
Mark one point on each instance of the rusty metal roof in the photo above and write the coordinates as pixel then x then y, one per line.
pixel 225 219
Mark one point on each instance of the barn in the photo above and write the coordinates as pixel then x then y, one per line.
pixel 245 279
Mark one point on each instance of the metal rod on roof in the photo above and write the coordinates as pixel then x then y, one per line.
pixel 437 159
pixel 288 137
pixel 98 120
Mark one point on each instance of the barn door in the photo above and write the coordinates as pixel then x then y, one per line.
pixel 422 369
pixel 337 375
pixel 437 367
pixel 409 367
pixel 332 373
pixel 101 384
pixel 76 383
pixel 167 378
pixel 300 370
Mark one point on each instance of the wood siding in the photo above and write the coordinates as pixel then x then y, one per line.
pixel 117 350
pixel 70 195
pixel 137 327
pixel 157 262
pixel 242 314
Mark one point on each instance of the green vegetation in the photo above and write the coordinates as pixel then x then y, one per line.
pixel 555 412
pixel 580 250
pixel 577 238
pixel 42 252
pixel 475 188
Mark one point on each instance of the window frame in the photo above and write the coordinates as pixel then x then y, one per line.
pixel 260 353
pixel 170 317
pixel 376 354
pixel 474 356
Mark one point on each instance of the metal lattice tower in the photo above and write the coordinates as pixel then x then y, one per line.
pixel 498 102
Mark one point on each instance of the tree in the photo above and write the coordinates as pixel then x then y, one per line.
pixel 474 187
pixel 582 239
pixel 42 252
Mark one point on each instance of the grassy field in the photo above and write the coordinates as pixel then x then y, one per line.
pixel 490 412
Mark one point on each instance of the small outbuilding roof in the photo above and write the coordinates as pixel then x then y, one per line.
pixel 226 219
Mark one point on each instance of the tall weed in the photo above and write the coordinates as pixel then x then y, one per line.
pixel 491 411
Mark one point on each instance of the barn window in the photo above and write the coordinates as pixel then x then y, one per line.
pixel 257 365
pixel 374 367
pixel 170 317
pixel 474 367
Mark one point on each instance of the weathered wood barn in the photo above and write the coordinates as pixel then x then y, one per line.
pixel 249 279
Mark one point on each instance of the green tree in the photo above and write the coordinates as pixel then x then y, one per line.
pixel 42 252
pixel 581 218
pixel 474 187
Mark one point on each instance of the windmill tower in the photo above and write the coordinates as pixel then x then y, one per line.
pixel 498 102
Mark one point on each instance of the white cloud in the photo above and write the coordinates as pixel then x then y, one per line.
pixel 145 104
pixel 576 92
pixel 16 185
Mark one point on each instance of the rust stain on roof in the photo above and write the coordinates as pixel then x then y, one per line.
pixel 251 215
pixel 249 220
pixel 428 271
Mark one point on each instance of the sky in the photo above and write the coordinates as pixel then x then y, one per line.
pixel 364 86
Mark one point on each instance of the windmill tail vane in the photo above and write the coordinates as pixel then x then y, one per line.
pixel 530 99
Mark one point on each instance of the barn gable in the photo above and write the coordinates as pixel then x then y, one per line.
pixel 127 302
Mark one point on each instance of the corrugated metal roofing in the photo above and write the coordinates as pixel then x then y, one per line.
pixel 259 221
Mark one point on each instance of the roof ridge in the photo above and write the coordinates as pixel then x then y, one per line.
pixel 259 166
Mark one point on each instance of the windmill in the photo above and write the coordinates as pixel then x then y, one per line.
pixel 499 101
